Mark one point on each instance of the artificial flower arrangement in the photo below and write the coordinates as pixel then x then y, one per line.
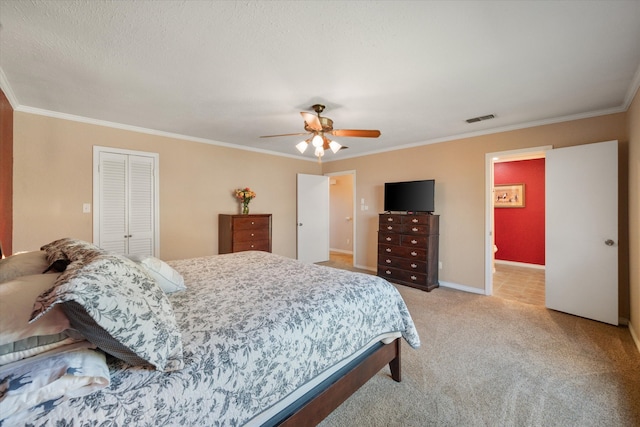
pixel 245 195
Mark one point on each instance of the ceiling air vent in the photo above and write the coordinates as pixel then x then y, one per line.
pixel 481 118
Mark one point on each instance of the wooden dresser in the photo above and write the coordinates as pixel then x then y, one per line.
pixel 408 249
pixel 238 233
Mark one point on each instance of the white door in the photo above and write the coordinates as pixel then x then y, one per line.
pixel 313 218
pixel 582 231
pixel 141 206
pixel 111 204
pixel 125 201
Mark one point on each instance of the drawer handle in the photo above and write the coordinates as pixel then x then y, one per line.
pixel 388 239
pixel 388 249
pixel 414 265
pixel 414 220
pixel 414 278
pixel 252 234
pixel 414 253
pixel 414 241
pixel 415 228
pixel 390 227
pixel 388 272
pixel 390 219
pixel 388 261
pixel 252 246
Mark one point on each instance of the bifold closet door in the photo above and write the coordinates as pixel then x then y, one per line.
pixel 126 203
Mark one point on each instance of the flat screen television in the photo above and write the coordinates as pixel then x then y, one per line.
pixel 409 196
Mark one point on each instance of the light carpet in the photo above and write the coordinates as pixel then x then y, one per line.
pixel 486 361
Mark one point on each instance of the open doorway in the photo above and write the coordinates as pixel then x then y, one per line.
pixel 342 225
pixel 515 225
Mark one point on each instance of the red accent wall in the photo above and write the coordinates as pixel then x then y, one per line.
pixel 519 232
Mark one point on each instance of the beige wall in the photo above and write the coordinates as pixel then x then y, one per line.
pixel 53 167
pixel 53 178
pixel 459 170
pixel 634 215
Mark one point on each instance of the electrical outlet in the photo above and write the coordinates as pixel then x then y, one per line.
pixel 440 265
pixel 86 208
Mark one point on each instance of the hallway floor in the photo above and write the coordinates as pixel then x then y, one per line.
pixel 517 283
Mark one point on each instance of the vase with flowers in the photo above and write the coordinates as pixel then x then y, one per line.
pixel 245 195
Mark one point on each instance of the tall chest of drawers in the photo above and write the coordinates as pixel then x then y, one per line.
pixel 408 249
pixel 237 233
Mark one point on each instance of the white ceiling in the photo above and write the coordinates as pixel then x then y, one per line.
pixel 230 71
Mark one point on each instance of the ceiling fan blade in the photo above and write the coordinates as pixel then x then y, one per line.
pixel 312 121
pixel 284 134
pixel 358 133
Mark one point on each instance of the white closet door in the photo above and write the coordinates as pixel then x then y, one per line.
pixel 112 208
pixel 141 202
pixel 126 219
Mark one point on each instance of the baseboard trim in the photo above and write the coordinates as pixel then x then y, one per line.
pixel 520 264
pixel 634 336
pixel 461 287
pixel 364 267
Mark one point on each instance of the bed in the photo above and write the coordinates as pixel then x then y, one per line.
pixel 261 340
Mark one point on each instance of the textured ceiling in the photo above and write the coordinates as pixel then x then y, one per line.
pixel 226 71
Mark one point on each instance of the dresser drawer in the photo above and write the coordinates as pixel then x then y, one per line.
pixel 416 241
pixel 415 219
pixel 401 263
pixel 391 228
pixel 251 234
pixel 251 223
pixel 390 219
pixel 394 274
pixel 403 252
pixel 256 245
pixel 390 238
pixel 415 229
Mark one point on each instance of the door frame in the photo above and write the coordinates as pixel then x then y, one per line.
pixel 351 172
pixel 490 159
pixel 97 149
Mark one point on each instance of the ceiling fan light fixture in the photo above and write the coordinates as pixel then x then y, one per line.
pixel 319 151
pixel 302 146
pixel 317 141
pixel 335 146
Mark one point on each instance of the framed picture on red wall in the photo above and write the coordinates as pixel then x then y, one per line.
pixel 508 196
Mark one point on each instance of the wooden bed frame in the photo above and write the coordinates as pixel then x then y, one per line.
pixel 329 397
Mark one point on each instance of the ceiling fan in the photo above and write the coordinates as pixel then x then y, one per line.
pixel 319 127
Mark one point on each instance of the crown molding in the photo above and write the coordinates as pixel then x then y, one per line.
pixel 87 120
pixel 8 92
pixel 490 131
pixel 633 89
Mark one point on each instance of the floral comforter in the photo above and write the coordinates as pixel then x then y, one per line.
pixel 255 327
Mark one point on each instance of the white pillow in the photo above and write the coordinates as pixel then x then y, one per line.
pixel 23 264
pixel 18 337
pixel 169 280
